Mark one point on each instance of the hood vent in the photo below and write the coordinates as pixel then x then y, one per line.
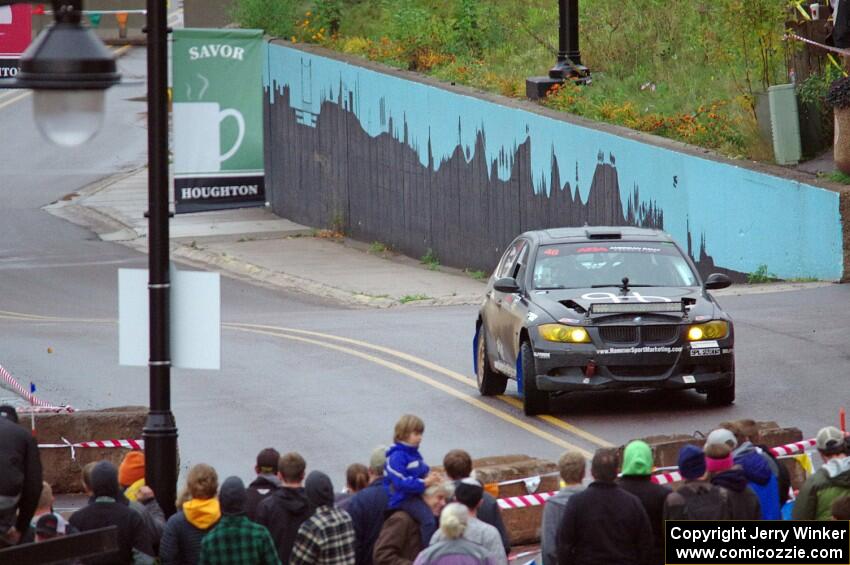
pixel 573 305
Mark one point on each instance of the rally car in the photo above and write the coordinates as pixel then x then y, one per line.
pixel 587 309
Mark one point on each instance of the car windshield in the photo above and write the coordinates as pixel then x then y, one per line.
pixel 586 265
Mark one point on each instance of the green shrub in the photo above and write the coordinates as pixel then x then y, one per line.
pixel 275 17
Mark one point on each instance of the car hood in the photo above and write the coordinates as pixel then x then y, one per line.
pixel 571 305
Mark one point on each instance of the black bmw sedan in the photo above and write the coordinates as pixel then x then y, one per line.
pixel 599 308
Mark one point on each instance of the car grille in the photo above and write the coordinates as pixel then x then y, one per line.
pixel 654 335
pixel 618 334
pixel 635 371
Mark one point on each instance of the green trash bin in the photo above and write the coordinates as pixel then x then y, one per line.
pixel 785 123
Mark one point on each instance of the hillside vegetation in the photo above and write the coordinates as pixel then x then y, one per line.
pixel 684 70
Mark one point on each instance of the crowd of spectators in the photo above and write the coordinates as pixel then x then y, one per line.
pixel 398 511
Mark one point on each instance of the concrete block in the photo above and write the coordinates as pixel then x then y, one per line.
pixel 779 436
pixel 62 472
pixel 522 524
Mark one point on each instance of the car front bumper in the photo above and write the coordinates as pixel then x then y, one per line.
pixel 700 365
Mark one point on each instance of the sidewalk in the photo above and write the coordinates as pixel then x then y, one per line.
pixel 253 243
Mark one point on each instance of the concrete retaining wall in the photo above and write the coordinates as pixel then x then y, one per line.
pixel 416 164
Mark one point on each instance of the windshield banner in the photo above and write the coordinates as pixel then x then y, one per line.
pixel 218 119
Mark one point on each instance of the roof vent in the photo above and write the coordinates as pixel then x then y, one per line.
pixel 603 234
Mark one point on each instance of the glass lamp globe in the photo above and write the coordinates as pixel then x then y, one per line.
pixel 69 117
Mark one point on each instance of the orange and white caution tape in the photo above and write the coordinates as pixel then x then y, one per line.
pixel 31 398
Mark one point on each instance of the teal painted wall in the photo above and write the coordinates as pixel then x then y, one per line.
pixel 746 218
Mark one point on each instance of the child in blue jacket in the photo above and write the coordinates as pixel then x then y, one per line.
pixel 407 475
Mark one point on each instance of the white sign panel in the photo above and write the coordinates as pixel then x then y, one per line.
pixel 195 319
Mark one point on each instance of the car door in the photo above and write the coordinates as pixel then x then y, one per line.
pixel 515 306
pixel 491 311
pixel 508 306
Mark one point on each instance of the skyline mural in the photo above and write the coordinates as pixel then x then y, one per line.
pixel 421 166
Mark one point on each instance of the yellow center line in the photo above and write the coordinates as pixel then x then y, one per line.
pixel 430 382
pixel 557 422
pixel 14 99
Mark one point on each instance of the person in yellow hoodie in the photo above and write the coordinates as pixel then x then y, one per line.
pixel 198 511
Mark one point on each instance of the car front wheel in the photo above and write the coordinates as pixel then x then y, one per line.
pixel 721 396
pixel 534 401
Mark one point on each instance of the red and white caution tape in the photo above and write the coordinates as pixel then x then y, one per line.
pixel 31 398
pixel 134 444
pixel 845 52
pixel 539 499
pixel 525 501
pixel 792 448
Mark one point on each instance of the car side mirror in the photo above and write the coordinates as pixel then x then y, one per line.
pixel 716 281
pixel 507 285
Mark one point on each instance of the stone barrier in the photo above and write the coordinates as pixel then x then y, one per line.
pixel 60 470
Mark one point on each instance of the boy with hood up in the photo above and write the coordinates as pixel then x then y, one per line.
pixel 743 502
pixel 636 479
pixel 571 467
pixel 830 482
pixel 327 537
pixel 236 540
pixel 108 507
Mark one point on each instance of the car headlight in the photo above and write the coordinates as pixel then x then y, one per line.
pixel 716 329
pixel 563 334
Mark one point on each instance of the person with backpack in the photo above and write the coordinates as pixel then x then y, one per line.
pixel 696 499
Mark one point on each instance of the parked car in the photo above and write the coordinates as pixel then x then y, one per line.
pixel 601 308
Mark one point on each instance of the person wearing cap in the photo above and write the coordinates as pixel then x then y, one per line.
pixel 327 537
pixel 131 477
pixel 470 493
pixel 696 498
pixel 571 467
pixel 20 477
pixel 45 508
pixel 265 483
pixel 830 482
pixel 637 479
pixel 108 507
pixel 723 473
pixel 236 540
pixel 604 523
pixel 367 508
pixel 758 467
pixel 458 465
pixel 746 434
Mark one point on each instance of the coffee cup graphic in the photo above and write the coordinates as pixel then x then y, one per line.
pixel 197 136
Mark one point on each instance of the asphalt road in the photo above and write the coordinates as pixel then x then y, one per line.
pixel 328 381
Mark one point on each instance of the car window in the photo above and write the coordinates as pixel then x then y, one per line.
pixel 509 258
pixel 584 265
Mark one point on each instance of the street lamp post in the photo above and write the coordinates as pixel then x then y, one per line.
pixel 160 431
pixel 69 68
pixel 568 65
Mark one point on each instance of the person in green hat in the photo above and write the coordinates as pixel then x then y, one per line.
pixel 636 478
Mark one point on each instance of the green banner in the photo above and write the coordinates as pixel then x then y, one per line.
pixel 218 118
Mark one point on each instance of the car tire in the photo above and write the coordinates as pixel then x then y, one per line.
pixel 534 401
pixel 490 383
pixel 721 396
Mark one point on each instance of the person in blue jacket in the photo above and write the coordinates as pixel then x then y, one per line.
pixel 407 475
